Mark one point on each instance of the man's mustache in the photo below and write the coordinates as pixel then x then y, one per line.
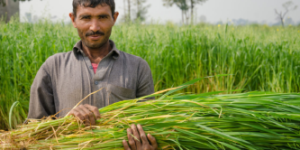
pixel 90 33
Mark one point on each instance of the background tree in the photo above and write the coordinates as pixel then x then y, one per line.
pixel 141 9
pixel 132 14
pixel 193 3
pixel 181 4
pixel 9 8
pixel 184 7
pixel 128 15
pixel 127 11
pixel 288 6
pixel 4 2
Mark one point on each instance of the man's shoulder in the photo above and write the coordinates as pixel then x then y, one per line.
pixel 58 60
pixel 132 58
pixel 59 57
pixel 134 62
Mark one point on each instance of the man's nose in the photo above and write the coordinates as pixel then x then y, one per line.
pixel 95 25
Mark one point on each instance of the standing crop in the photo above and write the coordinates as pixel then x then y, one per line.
pixel 258 58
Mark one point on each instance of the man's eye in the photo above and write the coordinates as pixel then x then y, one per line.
pixel 86 17
pixel 103 17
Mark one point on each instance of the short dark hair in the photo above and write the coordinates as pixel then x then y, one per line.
pixel 93 4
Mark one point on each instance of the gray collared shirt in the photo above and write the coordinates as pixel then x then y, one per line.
pixel 66 78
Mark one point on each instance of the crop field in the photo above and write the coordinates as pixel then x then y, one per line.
pixel 254 58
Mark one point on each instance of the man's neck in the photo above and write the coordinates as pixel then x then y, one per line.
pixel 96 55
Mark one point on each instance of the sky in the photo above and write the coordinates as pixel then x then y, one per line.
pixel 212 11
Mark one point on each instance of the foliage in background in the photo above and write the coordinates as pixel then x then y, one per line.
pixel 288 6
pixel 184 6
pixel 259 58
pixel 181 4
pixel 141 9
pixel 139 12
pixel 3 2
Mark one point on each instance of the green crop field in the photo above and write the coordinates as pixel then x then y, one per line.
pixel 255 58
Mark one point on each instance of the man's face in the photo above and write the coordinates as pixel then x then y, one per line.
pixel 94 25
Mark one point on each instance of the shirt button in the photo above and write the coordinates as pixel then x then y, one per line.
pixel 96 82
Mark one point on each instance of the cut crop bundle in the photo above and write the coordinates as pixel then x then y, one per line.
pixel 183 121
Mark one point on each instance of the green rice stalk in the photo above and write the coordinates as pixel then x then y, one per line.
pixel 16 103
pixel 255 120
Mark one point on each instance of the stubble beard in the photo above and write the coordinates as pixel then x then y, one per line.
pixel 95 45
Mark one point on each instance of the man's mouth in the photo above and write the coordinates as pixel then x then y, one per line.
pixel 94 37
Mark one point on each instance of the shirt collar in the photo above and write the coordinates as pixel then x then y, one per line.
pixel 115 53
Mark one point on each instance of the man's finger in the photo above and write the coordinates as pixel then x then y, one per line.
pixel 130 139
pixel 92 118
pixel 76 114
pixel 137 138
pixel 126 146
pixel 84 117
pixel 142 134
pixel 94 110
pixel 88 115
pixel 152 141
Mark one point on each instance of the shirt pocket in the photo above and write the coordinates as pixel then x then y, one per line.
pixel 117 93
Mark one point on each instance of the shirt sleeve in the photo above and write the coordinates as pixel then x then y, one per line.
pixel 41 96
pixel 145 81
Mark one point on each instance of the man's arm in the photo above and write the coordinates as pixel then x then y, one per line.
pixel 42 101
pixel 41 95
pixel 145 81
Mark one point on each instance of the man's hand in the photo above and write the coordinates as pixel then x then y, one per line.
pixel 86 113
pixel 138 139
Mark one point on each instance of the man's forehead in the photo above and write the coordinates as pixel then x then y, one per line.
pixel 86 9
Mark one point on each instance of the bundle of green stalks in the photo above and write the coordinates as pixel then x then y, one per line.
pixel 181 121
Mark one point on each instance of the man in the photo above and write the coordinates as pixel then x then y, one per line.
pixel 95 63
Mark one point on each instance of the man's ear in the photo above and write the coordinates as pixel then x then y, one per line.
pixel 73 17
pixel 116 16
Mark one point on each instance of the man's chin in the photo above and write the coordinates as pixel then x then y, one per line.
pixel 94 45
